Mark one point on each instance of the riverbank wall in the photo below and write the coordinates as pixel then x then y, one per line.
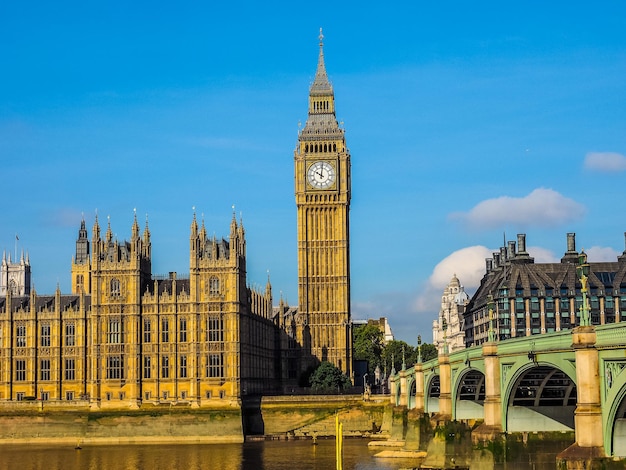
pixel 79 424
pixel 314 416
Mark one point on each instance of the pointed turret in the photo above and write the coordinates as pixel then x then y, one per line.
pixel 95 231
pixel 194 225
pixel 146 232
pixel 321 85
pixel 321 122
pixel 109 234
pixel 135 227
pixel 203 231
pixel 81 266
pixel 82 245
pixel 242 231
pixel 233 226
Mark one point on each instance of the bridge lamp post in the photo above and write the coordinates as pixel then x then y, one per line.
pixel 419 349
pixel 582 272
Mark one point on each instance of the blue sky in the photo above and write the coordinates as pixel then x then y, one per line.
pixel 465 121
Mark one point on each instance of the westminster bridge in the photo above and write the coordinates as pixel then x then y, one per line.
pixel 563 381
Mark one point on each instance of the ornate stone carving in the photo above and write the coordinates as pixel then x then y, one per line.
pixel 612 369
pixel 505 371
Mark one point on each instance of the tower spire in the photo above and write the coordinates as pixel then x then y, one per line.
pixel 321 85
pixel 109 234
pixel 135 227
pixel 146 231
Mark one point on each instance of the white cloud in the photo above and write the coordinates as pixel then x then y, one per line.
pixel 605 161
pixel 541 208
pixel 596 254
pixel 469 266
pixel 467 263
pixel 542 255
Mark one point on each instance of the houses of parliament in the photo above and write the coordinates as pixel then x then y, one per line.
pixel 124 336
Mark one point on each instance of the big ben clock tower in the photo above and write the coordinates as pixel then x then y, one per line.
pixel 322 188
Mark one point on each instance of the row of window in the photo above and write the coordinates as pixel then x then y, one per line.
pixel 215 330
pixel 550 305
pixel 44 337
pixel 115 289
pixel 115 332
pixel 565 292
pixel 214 367
pixel 320 148
pixel 44 370
pixel 115 368
pixel 69 396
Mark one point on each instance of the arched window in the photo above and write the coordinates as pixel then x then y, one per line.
pixel 147 333
pixel 115 287
pixel 214 286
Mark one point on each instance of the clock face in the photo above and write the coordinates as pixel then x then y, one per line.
pixel 321 175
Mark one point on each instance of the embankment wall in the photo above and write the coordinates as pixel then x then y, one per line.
pixel 276 417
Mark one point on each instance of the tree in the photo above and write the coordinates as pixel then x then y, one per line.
pixel 328 378
pixel 392 355
pixel 429 351
pixel 368 346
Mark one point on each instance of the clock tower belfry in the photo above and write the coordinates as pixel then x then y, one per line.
pixel 322 190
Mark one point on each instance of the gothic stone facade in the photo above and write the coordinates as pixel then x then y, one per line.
pixel 125 337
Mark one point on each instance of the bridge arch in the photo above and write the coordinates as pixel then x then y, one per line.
pixel 431 395
pixel 538 395
pixel 397 391
pixel 468 392
pixel 410 391
pixel 615 418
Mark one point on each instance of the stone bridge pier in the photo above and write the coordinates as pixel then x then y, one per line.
pixel 589 445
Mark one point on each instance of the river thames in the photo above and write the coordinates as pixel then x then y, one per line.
pixel 261 455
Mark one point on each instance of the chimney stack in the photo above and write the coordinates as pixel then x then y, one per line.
pixel 571 255
pixel 511 250
pixel 521 242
